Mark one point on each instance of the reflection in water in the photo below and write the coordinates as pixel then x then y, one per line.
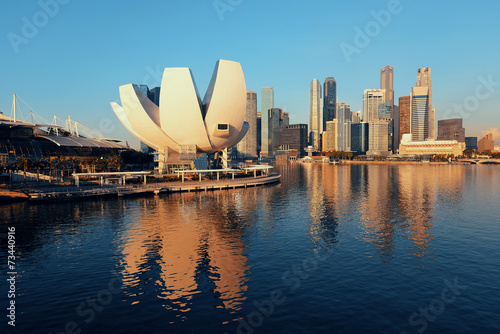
pixel 185 258
pixel 323 203
pixel 391 201
pixel 190 250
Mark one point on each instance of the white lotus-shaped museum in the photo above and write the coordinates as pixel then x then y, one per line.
pixel 182 119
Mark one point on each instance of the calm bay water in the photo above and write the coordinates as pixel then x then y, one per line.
pixel 347 249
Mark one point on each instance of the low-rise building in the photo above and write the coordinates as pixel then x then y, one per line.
pixel 407 147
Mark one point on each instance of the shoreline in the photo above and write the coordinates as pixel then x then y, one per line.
pixel 34 195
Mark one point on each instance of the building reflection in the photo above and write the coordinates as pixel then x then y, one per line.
pixel 323 201
pixel 399 203
pixel 191 250
pixel 378 209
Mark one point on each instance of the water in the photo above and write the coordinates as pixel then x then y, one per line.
pixel 347 249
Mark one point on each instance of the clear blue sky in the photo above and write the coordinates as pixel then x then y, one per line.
pixel 82 51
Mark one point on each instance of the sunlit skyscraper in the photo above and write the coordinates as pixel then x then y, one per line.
pixel 386 79
pixel 275 115
pixel 404 117
pixel 344 126
pixel 315 119
pixel 266 103
pixel 371 100
pixel 378 137
pixel 422 113
pixel 247 147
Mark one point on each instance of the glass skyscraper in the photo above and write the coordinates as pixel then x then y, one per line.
pixel 419 126
pixel 329 100
pixel 359 137
pixel 274 117
pixel 424 80
pixel 266 103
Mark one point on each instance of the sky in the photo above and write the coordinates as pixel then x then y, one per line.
pixel 68 57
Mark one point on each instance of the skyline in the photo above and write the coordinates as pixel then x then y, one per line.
pixel 73 62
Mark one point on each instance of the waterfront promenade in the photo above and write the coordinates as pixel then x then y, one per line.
pixel 73 192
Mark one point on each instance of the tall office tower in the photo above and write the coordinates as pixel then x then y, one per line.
pixel 378 138
pixel 359 137
pixel 395 138
pixel 274 116
pixel 486 143
pixel 343 113
pixel 371 99
pixel 294 137
pixel 331 135
pixel 247 147
pixel 315 121
pixel 424 80
pixel 386 76
pixel 266 103
pixel 419 104
pixel 451 129
pixel 356 117
pixel 404 116
pixel 471 143
pixel 259 132
pixel 329 100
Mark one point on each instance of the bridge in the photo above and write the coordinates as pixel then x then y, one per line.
pixel 481 161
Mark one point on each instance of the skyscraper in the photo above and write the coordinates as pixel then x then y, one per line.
pixel 359 137
pixel 424 80
pixel 371 100
pixel 451 129
pixel 419 103
pixel 294 137
pixel 378 138
pixel 259 132
pixel 315 121
pixel 329 101
pixel 274 117
pixel 386 78
pixel 331 135
pixel 343 126
pixel 404 117
pixel 266 103
pixel 395 120
pixel 247 147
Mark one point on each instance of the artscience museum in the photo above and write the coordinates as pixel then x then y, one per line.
pixel 182 126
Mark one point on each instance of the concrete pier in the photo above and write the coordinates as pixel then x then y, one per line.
pixel 152 188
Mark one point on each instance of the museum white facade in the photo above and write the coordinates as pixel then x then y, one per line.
pixel 183 123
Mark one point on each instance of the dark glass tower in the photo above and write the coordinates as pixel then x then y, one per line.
pixel 329 100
